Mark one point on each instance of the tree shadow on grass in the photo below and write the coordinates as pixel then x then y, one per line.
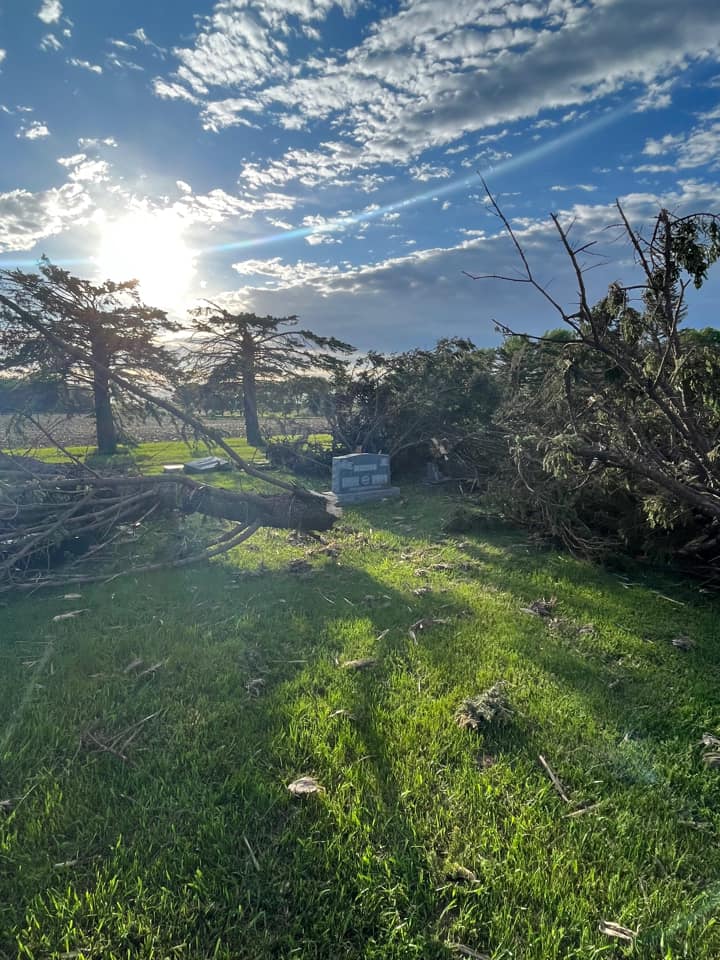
pixel 613 637
pixel 195 838
pixel 197 844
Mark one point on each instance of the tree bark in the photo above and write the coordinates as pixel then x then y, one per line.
pixel 283 511
pixel 252 425
pixel 104 423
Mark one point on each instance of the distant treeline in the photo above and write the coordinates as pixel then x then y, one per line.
pixel 42 396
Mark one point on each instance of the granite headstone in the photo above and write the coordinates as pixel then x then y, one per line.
pixel 362 476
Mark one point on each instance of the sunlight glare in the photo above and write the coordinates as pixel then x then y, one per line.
pixel 150 248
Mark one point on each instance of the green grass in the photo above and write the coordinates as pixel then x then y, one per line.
pixel 151 456
pixel 149 858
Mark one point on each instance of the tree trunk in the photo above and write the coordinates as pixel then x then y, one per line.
pixel 104 422
pixel 252 425
pixel 283 511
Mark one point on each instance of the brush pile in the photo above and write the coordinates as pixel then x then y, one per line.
pixel 56 519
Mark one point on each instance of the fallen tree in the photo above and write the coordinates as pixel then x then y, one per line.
pixel 54 514
pixel 611 423
pixel 50 511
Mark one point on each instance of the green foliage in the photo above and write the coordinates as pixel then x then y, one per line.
pixel 696 245
pixel 613 425
pixel 414 404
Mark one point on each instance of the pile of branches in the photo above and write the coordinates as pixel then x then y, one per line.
pixel 56 519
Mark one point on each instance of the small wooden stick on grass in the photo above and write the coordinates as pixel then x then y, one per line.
pixel 554 779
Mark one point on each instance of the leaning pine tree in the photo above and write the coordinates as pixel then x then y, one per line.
pixel 245 349
pixel 107 321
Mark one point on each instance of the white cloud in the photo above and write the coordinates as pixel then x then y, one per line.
pixel 143 38
pixel 121 63
pixel 394 100
pixel 50 11
pixel 280 224
pixel 655 168
pixel 226 113
pixel 73 160
pixel 429 171
pixel 657 96
pixel 218 206
pixel 656 148
pixel 370 182
pixel 470 66
pixel 172 91
pixel 240 45
pixel 28 217
pixel 700 147
pixel 85 65
pixel 35 131
pixel 84 170
pixel 183 187
pixel 291 121
pixel 17 109
pixel 314 239
pixel 90 171
pixel 97 142
pixel 586 187
pixel 50 42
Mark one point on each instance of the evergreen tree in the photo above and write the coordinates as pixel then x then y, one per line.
pixel 246 349
pixel 107 320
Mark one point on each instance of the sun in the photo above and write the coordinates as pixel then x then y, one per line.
pixel 148 247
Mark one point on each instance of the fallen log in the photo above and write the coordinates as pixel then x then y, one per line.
pixel 53 514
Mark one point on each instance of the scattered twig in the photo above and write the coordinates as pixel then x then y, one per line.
pixel 363 663
pixel 553 777
pixel 611 929
pixel 151 670
pixel 582 810
pixel 468 951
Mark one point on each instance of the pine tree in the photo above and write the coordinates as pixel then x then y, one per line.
pixel 243 348
pixel 107 320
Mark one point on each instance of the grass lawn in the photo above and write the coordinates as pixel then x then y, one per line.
pixel 150 457
pixel 428 841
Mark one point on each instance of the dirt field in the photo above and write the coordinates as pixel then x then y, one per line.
pixel 79 431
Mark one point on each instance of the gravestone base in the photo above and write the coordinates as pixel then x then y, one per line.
pixel 363 496
pixel 360 477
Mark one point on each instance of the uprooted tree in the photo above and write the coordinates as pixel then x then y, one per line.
pixel 109 324
pixel 244 349
pixel 613 424
pixel 50 510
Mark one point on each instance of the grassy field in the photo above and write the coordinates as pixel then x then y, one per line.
pixel 146 745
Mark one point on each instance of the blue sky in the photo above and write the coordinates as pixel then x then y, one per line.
pixel 322 157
